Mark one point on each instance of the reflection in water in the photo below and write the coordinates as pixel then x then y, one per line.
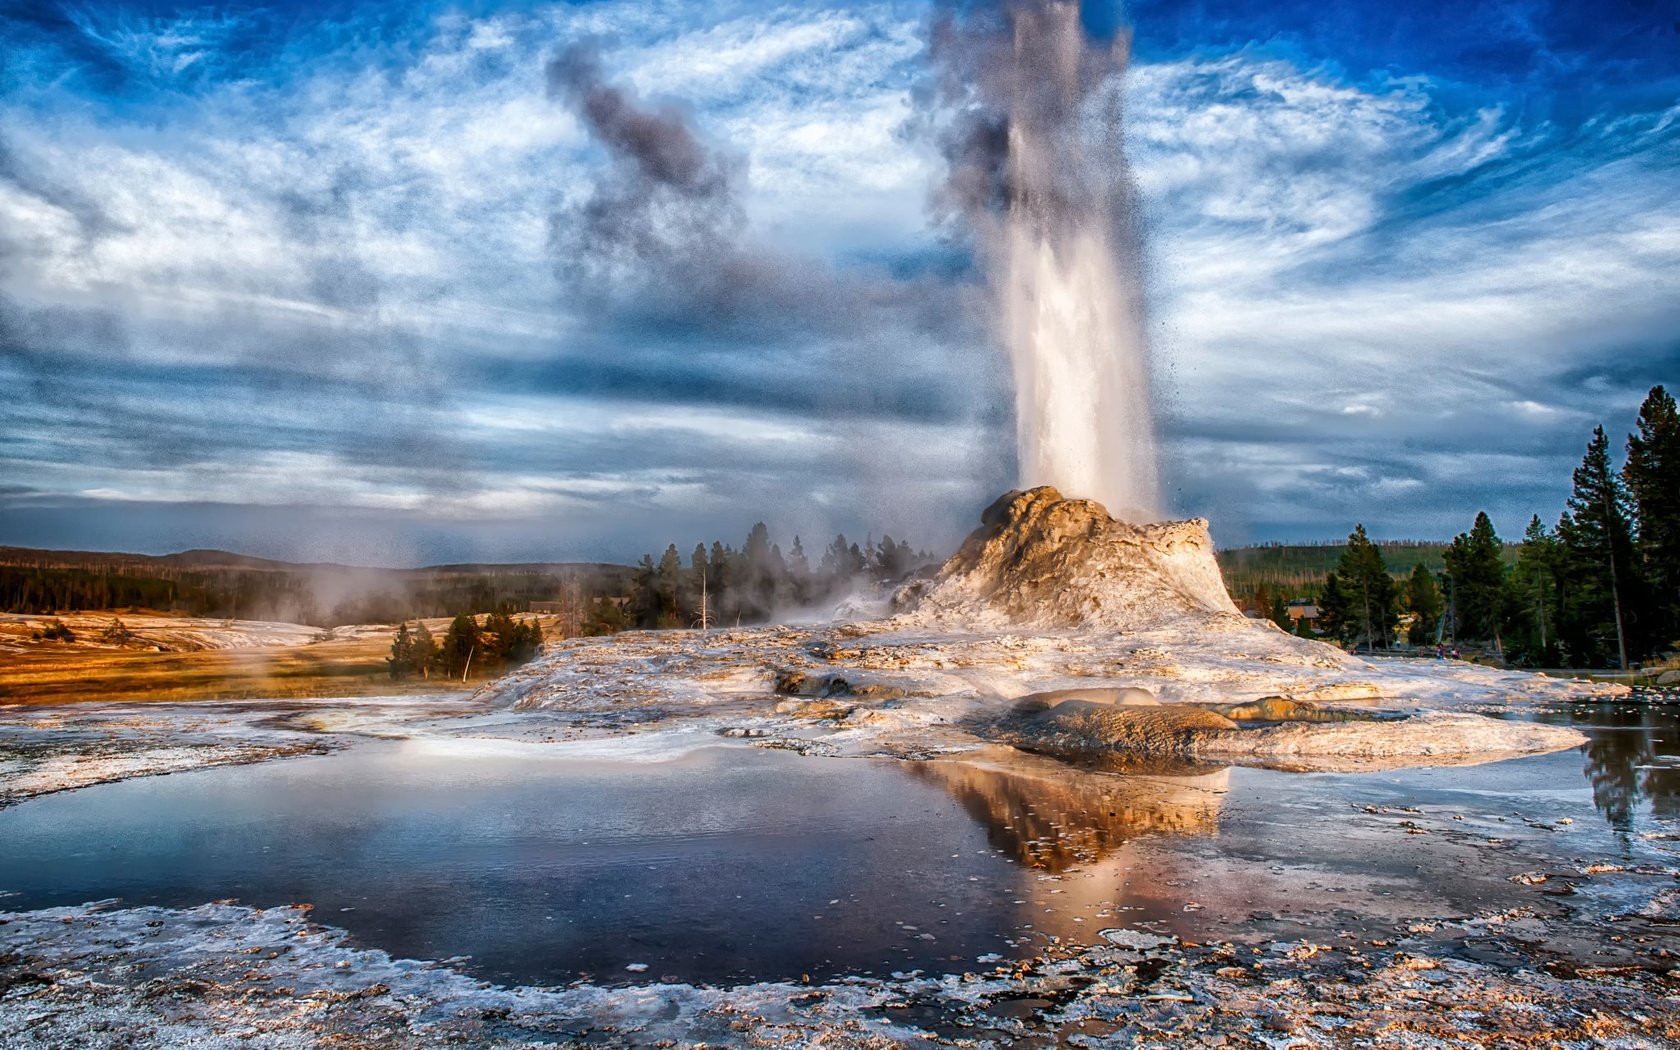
pixel 1632 756
pixel 1053 817
pixel 719 866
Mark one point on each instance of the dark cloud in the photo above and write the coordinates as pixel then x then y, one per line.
pixel 94 397
pixel 663 220
pixel 317 218
pixel 776 387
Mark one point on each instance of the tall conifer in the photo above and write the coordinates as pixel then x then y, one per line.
pixel 1478 571
pixel 1598 541
pixel 1652 474
pixel 1423 600
pixel 1359 596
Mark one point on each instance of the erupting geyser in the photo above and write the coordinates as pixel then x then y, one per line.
pixel 1037 167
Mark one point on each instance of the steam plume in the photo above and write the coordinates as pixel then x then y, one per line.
pixel 1038 172
pixel 670 202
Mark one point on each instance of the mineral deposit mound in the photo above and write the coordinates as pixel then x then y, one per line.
pixel 1043 561
pixel 1047 631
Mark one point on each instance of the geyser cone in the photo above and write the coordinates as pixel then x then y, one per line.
pixel 1038 167
pixel 1039 560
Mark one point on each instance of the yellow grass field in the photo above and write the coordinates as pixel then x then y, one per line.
pixel 201 660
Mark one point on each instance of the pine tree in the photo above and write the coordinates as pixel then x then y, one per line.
pixel 499 639
pixel 1332 608
pixel 461 645
pixel 668 585
pixel 893 560
pixel 425 650
pixel 605 617
pixel 1423 601
pixel 1475 563
pixel 799 572
pixel 644 593
pixel 1278 613
pixel 509 643
pixel 1652 474
pixel 1363 593
pixel 717 575
pixel 759 575
pixel 401 660
pixel 1535 592
pixel 836 559
pixel 1597 539
pixel 757 547
pixel 697 587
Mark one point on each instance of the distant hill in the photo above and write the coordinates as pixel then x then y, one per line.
pixel 224 584
pixel 214 559
pixel 193 559
pixel 218 559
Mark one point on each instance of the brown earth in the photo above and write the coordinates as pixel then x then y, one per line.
pixel 35 671
pixel 68 674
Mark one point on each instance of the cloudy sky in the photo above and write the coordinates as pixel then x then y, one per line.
pixel 382 282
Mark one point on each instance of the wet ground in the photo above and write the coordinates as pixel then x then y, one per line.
pixel 735 864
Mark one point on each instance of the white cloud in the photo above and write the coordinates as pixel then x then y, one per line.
pixel 1320 246
pixel 1347 278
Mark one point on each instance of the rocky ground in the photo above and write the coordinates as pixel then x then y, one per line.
pixel 1589 961
pixel 890 688
pixel 45 749
pixel 1048 595
pixel 225 976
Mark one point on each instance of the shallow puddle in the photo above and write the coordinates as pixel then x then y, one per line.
pixel 728 864
pixel 736 863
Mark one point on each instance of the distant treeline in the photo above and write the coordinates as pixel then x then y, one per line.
pixel 758 582
pixel 1298 570
pixel 322 596
pixel 751 584
pixel 1599 588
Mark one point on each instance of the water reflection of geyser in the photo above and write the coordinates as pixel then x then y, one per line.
pixel 1038 170
pixel 1054 817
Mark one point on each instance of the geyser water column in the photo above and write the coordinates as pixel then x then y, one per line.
pixel 1038 168
pixel 1082 397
